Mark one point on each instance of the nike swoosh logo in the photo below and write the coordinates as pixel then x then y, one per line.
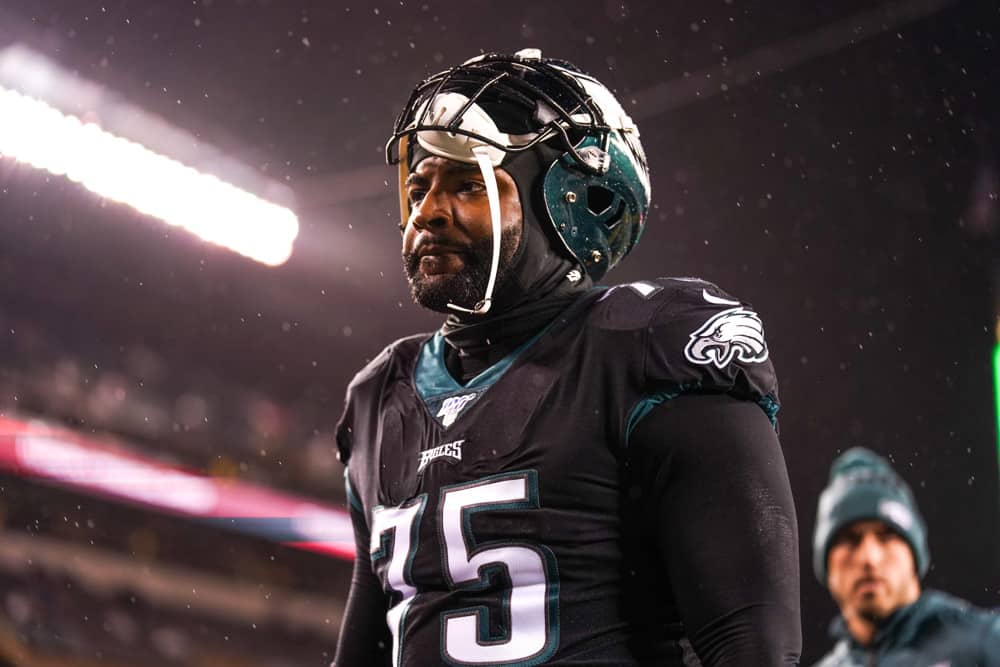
pixel 718 300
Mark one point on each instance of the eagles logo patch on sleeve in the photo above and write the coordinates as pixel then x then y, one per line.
pixel 734 333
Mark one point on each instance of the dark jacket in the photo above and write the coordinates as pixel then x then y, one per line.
pixel 935 631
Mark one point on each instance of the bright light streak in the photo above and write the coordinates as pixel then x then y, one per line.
pixel 117 475
pixel 37 134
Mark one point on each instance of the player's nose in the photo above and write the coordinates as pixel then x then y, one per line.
pixel 432 211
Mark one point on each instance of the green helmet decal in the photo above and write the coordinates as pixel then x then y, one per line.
pixel 599 217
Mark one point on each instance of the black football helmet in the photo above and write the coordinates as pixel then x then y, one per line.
pixel 494 106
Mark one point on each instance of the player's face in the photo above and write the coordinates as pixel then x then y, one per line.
pixel 448 239
pixel 871 571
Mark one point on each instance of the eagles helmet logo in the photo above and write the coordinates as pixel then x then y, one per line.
pixel 735 333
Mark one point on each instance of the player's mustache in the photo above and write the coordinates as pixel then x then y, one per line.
pixel 434 245
pixel 437 244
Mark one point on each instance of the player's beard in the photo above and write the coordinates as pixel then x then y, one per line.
pixel 467 287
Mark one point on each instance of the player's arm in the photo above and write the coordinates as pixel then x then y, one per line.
pixel 715 484
pixel 364 636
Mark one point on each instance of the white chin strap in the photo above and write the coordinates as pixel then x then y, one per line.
pixel 461 147
pixel 482 154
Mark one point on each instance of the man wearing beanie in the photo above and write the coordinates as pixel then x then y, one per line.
pixel 870 551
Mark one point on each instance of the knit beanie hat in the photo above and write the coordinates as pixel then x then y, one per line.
pixel 863 486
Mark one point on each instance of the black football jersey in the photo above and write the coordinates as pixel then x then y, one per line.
pixel 493 511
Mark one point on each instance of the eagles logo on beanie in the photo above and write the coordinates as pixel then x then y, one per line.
pixel 863 486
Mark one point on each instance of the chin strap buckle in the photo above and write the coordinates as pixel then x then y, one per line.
pixel 480 308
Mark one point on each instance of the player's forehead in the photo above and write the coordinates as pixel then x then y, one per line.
pixel 440 167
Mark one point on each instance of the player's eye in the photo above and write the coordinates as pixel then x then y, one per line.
pixel 472 187
pixel 416 195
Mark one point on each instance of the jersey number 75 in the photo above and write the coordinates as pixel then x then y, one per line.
pixel 530 603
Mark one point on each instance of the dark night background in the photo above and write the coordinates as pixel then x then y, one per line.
pixel 835 164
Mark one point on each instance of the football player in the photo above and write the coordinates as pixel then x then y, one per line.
pixel 563 474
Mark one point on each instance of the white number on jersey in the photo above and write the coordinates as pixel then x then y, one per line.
pixel 530 603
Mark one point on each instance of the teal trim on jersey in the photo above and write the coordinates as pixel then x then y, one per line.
pixel 352 500
pixel 767 403
pixel 432 378
pixel 646 405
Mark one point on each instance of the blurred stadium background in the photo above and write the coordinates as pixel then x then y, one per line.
pixel 169 490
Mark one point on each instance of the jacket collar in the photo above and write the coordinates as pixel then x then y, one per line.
pixel 884 635
pixel 898 628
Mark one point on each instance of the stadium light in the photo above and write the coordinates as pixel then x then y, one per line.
pixel 124 170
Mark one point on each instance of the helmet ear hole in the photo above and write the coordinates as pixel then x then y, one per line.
pixel 599 199
pixel 612 220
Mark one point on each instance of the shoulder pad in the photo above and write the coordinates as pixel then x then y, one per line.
pixel 394 350
pixel 634 304
pixel 700 338
pixel 367 382
pixel 719 328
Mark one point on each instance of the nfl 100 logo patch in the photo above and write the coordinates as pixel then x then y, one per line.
pixel 452 407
